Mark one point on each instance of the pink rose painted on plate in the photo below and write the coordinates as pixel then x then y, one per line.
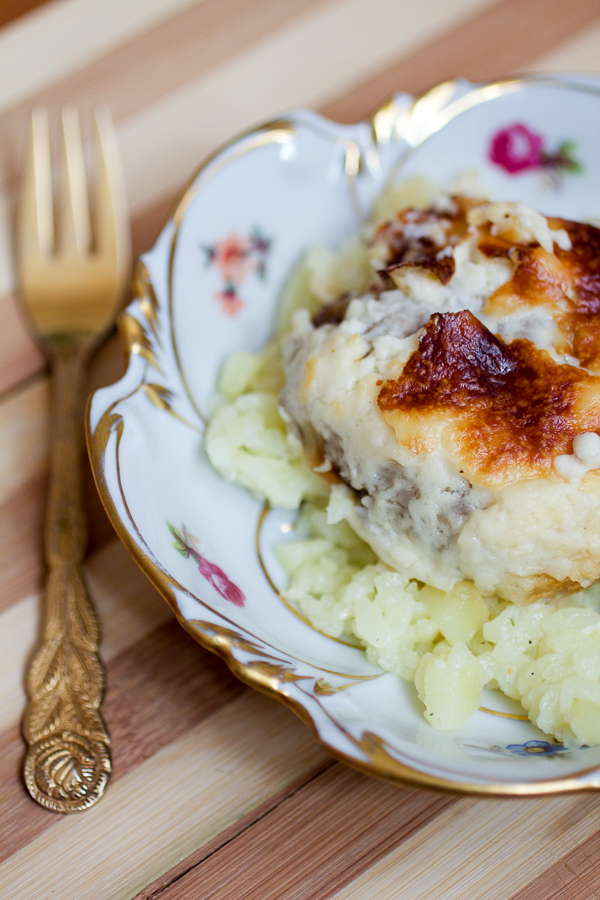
pixel 185 543
pixel 518 148
pixel 236 258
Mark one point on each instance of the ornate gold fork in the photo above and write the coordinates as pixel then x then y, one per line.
pixel 71 292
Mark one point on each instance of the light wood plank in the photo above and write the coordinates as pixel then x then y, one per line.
pixel 574 877
pixel 581 54
pixel 167 807
pixel 480 848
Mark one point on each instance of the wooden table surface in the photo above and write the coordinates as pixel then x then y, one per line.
pixel 218 792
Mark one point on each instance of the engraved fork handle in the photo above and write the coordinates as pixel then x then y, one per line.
pixel 68 764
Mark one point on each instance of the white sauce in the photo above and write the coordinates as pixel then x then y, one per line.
pixel 585 457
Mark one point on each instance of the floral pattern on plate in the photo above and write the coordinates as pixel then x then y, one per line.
pixel 518 148
pixel 528 748
pixel 186 544
pixel 236 258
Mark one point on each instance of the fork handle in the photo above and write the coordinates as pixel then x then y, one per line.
pixel 68 764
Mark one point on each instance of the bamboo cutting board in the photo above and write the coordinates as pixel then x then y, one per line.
pixel 218 792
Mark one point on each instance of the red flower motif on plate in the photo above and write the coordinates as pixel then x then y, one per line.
pixel 184 543
pixel 518 148
pixel 236 258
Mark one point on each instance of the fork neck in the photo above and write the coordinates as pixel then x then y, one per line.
pixel 76 347
pixel 66 532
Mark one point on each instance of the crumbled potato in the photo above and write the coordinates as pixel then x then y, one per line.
pixel 247 442
pixel 459 613
pixel 448 683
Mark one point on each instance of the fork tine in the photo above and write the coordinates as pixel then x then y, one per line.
pixel 111 229
pixel 75 217
pixel 35 222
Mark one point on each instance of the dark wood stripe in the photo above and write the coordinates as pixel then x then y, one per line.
pixel 156 691
pixel 310 846
pixel 21 549
pixel 496 42
pixel 155 888
pixel 13 9
pixel 574 877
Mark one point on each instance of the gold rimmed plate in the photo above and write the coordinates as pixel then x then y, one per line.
pixel 209 287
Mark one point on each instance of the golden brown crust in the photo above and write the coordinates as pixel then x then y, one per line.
pixel 512 407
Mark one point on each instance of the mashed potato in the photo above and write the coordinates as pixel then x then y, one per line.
pixel 441 397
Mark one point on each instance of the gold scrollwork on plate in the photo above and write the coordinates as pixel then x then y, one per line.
pixel 504 715
pixel 279 671
pixel 161 397
pixel 324 689
pixel 143 291
pixel 226 637
pixel 136 340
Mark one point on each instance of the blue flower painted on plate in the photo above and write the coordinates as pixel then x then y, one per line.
pixel 529 748
pixel 542 748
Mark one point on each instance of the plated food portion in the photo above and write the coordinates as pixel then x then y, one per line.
pixel 430 404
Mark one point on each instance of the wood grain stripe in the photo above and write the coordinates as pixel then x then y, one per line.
pixel 21 550
pixel 61 37
pixel 317 840
pixel 494 43
pixel 480 848
pixel 168 806
pixel 13 9
pixel 154 890
pixel 156 691
pixel 20 357
pixel 574 877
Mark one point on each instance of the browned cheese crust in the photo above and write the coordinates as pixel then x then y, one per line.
pixel 513 407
